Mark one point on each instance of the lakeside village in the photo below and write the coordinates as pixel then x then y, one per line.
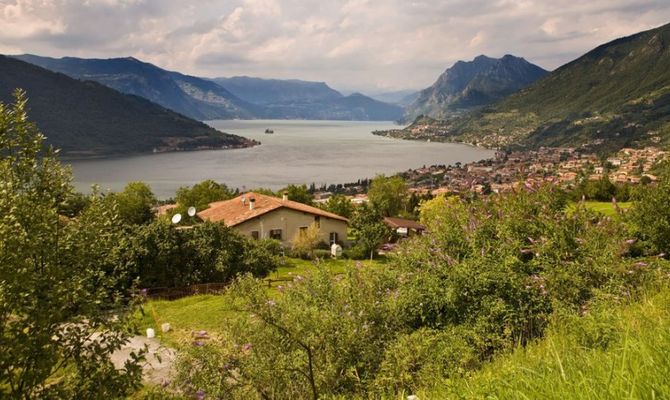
pixel 508 171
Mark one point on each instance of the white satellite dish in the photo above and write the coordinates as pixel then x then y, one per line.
pixel 176 218
pixel 191 211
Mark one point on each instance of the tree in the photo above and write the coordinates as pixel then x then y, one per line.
pixel 305 241
pixel 369 229
pixel 134 203
pixel 201 194
pixel 388 195
pixel 60 278
pixel 298 193
pixel 340 205
pixel 650 215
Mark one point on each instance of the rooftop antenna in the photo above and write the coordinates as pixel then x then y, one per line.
pixel 176 218
pixel 191 211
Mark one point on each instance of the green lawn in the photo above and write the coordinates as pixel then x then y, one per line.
pixel 603 207
pixel 210 312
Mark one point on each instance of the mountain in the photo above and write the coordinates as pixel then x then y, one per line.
pixel 296 99
pixel 617 95
pixel 270 91
pixel 85 118
pixel 468 85
pixel 402 98
pixel 194 97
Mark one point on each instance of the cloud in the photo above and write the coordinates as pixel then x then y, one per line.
pixel 367 45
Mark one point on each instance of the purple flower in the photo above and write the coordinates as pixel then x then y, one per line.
pixel 246 347
pixel 144 291
pixel 198 343
pixel 200 394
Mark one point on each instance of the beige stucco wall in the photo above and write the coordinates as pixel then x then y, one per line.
pixel 290 221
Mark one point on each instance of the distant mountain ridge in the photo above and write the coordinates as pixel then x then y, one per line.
pixel 87 119
pixel 192 96
pixel 468 85
pixel 297 99
pixel 268 91
pixel 220 98
pixel 617 95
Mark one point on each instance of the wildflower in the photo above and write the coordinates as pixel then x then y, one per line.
pixel 198 343
pixel 630 241
pixel 246 347
pixel 200 394
pixel 271 303
pixel 641 264
pixel 144 291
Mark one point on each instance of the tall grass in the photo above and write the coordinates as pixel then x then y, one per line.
pixel 610 353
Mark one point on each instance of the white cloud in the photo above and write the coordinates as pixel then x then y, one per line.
pixel 351 44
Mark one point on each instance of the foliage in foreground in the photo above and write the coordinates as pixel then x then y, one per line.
pixel 492 275
pixel 62 315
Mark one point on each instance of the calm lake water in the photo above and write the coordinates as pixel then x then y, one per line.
pixel 298 152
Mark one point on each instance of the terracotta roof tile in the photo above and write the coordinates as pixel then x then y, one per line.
pixel 403 223
pixel 235 211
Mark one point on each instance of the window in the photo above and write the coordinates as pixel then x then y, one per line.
pixel 333 237
pixel 275 234
pixel 255 235
pixel 317 221
pixel 303 230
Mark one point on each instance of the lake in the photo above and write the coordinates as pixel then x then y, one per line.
pixel 298 152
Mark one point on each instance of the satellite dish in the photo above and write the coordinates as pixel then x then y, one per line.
pixel 176 218
pixel 191 211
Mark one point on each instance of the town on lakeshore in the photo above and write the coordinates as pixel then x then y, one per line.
pixel 514 170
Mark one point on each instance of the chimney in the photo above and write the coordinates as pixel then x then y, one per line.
pixel 284 197
pixel 252 202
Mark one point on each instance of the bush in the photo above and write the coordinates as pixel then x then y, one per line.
pixel 649 217
pixel 163 256
pixel 422 358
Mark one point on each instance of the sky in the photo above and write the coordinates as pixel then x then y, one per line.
pixel 371 46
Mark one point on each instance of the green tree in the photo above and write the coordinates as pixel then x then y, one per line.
pixel 369 229
pixel 201 194
pixel 650 215
pixel 135 203
pixel 59 278
pixel 340 205
pixel 162 255
pixel 388 195
pixel 299 193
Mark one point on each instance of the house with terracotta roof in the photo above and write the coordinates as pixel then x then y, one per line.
pixel 404 227
pixel 259 216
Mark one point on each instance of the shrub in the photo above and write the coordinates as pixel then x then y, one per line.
pixel 423 357
pixel 165 256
